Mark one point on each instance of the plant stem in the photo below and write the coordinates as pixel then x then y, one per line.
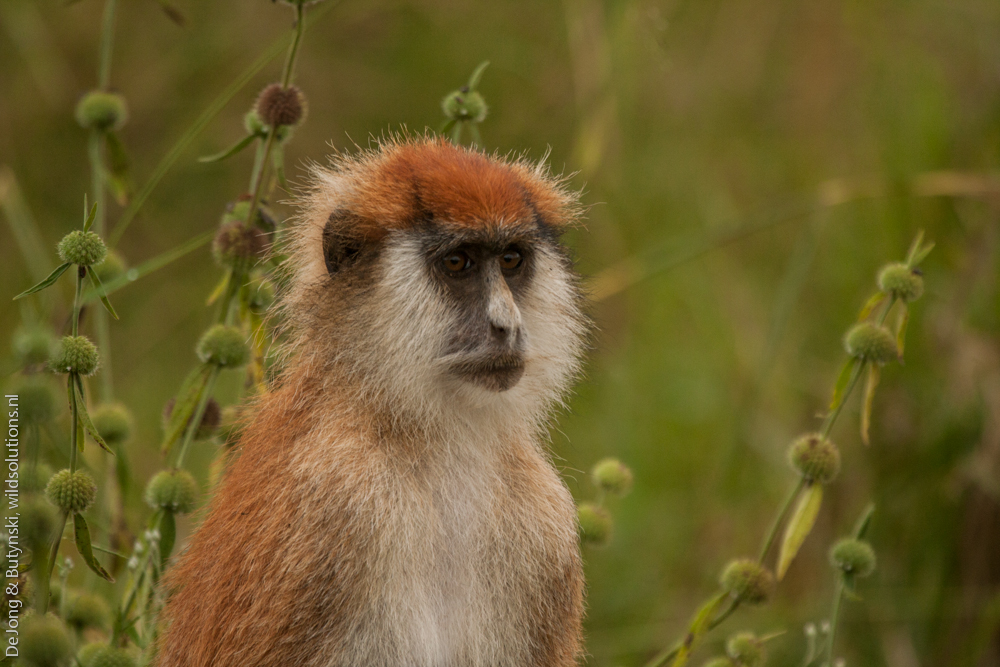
pixel 45 573
pixel 838 595
pixel 107 44
pixel 831 418
pixel 293 50
pixel 772 534
pixel 199 412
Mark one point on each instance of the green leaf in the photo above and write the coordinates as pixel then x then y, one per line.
pixel 456 132
pixel 220 289
pixel 874 372
pixel 278 163
pixel 864 522
pixel 914 247
pixel 799 526
pixel 187 401
pixel 871 304
pixel 447 127
pixel 843 379
pixel 54 276
pixel 88 220
pixel 83 546
pixel 904 319
pixel 699 626
pixel 168 535
pixel 477 74
pixel 231 151
pixel 100 290
pixel 84 416
pixel 921 255
pixel 134 635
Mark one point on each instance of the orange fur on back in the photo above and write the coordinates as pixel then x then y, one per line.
pixel 379 513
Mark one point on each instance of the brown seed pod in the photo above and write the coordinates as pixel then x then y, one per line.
pixel 238 243
pixel 278 106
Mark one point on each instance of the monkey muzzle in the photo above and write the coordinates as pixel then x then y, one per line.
pixel 495 372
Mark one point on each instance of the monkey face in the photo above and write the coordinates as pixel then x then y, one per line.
pixel 484 278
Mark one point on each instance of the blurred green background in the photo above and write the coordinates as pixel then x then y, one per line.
pixel 705 134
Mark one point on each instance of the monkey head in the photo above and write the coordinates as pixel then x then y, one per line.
pixel 431 277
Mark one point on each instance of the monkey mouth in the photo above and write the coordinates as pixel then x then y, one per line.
pixel 494 372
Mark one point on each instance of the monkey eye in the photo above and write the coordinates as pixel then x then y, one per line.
pixel 456 262
pixel 510 259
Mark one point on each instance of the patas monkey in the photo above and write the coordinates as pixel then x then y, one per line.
pixel 392 504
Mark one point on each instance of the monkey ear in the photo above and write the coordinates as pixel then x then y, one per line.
pixel 340 249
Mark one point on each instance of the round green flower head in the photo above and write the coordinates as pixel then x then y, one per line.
pixel 902 282
pixel 108 656
pixel 595 524
pixel 238 244
pixel 38 521
pixel 88 611
pixel 82 248
pixel 278 106
pixel 85 655
pixel 612 476
pixel 72 492
pixel 871 342
pixel 748 581
pixel 746 650
pixel 464 104
pixel 75 354
pixel 174 490
pixel 45 642
pixel 713 662
pixel 815 457
pixel 113 421
pixel 112 267
pixel 223 346
pixel 853 557
pixel 37 400
pixel 102 111
pixel 33 345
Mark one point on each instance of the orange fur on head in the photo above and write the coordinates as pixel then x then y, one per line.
pixel 407 182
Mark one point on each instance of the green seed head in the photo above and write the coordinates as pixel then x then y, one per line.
pixel 748 581
pixel 82 248
pixel 901 281
pixel 38 521
pixel 102 111
pixel 45 642
pixel 278 106
pixel 85 656
pixel 223 346
pixel 746 650
pixel 37 402
pixel 109 656
pixel 112 267
pixel 72 492
pixel 238 244
pixel 595 524
pixel 853 557
pixel 113 421
pixel 174 490
pixel 75 354
pixel 465 105
pixel 815 457
pixel 612 476
pixel 871 342
pixel 33 345
pixel 88 611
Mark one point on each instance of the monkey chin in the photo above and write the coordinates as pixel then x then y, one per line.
pixel 493 373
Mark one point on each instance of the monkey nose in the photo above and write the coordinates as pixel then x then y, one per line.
pixel 504 317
